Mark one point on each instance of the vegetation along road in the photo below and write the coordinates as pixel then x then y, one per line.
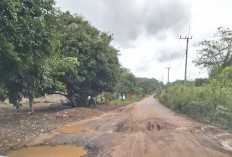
pixel 144 128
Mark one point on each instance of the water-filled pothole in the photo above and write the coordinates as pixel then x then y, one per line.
pixel 72 129
pixel 48 151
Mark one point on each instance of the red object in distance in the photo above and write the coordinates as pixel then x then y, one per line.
pixel 128 95
pixel 64 84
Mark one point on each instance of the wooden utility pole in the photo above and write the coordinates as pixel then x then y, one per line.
pixel 168 72
pixel 186 59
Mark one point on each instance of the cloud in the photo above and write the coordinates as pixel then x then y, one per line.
pixel 142 68
pixel 130 19
pixel 166 56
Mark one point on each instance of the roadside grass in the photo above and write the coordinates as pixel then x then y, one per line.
pixel 126 101
pixel 209 104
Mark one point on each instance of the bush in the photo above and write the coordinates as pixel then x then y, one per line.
pixel 208 103
pixel 3 93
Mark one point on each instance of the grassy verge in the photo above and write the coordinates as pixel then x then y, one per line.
pixel 123 102
pixel 209 104
pixel 126 101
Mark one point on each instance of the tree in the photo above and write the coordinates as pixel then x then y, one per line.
pixel 43 49
pixel 27 38
pixel 3 92
pixel 60 76
pixel 98 61
pixel 126 83
pixel 201 82
pixel 129 84
pixel 148 85
pixel 216 54
pixel 225 77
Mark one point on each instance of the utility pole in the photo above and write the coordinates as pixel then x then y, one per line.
pixel 168 72
pixel 186 59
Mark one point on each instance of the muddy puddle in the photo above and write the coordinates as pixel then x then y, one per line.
pixel 47 151
pixel 72 129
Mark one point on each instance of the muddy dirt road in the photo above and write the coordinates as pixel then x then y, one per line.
pixel 142 129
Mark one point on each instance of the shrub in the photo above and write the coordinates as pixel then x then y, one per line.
pixel 208 103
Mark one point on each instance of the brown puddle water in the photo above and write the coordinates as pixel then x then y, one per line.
pixel 72 129
pixel 47 151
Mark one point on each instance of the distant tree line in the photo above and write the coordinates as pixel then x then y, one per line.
pixel 129 84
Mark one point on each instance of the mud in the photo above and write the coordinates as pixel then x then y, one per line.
pixel 46 151
pixel 144 129
pixel 72 129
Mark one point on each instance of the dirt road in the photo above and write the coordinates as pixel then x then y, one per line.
pixel 143 129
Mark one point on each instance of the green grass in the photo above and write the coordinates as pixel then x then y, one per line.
pixel 123 102
pixel 126 101
pixel 206 104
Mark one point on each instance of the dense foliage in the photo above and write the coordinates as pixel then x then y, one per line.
pixel 27 39
pixel 216 54
pixel 46 51
pixel 98 68
pixel 208 103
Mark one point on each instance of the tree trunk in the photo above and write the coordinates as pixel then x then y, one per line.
pixel 31 105
pixel 122 96
pixel 73 101
pixel 101 97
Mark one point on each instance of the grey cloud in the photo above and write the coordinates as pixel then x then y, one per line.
pixel 128 19
pixel 145 64
pixel 142 68
pixel 167 56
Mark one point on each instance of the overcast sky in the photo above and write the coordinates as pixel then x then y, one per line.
pixel 147 31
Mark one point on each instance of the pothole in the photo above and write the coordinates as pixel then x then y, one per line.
pixel 138 126
pixel 47 151
pixel 159 126
pixel 153 126
pixel 72 129
pixel 123 127
pixel 150 126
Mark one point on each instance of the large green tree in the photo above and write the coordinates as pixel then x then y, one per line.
pixel 27 37
pixel 129 84
pixel 98 61
pixel 126 83
pixel 148 85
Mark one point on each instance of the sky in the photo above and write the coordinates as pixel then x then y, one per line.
pixel 147 32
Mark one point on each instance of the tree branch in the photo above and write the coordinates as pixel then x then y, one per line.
pixel 58 93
